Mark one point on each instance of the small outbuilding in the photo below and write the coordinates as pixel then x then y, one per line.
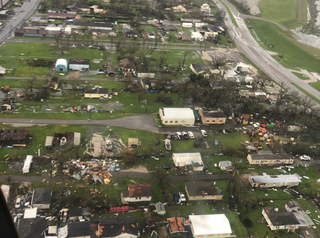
pixel 79 64
pixel 225 165
pixel 160 208
pixel 61 65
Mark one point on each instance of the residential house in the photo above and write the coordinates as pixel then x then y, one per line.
pixel 139 192
pixel 111 70
pixel 192 160
pixel 200 24
pixel 216 29
pixel 41 198
pixel 101 32
pixel 176 116
pixel 27 32
pixel 4 14
pixel 14 137
pixel 280 220
pixel 78 7
pixel 78 213
pixel 176 225
pixel 127 65
pixel 210 35
pixel 129 33
pixel 225 165
pixel 41 20
pixel 197 36
pixel 299 213
pixel 200 30
pixel 198 68
pixel 134 143
pixel 269 159
pixel 2 70
pixel 27 164
pixel 183 36
pixel 199 191
pixel 79 64
pixel 151 35
pixel 124 227
pixel 79 230
pixel 55 10
pixel 243 68
pixel 61 65
pixel 269 181
pixel 61 16
pixel 95 9
pixel 80 24
pixel 214 117
pixel 180 9
pixel 214 69
pixel 205 9
pixel 101 93
pixel 31 227
pixel 54 83
pixel 187 24
pixel 211 225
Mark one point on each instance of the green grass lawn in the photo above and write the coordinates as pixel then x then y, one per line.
pixel 315 85
pixel 300 76
pixel 294 56
pixel 11 52
pixel 306 92
pixel 291 13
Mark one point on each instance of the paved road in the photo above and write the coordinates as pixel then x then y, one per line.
pixel 247 45
pixel 23 14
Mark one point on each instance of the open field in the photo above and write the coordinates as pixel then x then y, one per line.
pixel 291 13
pixel 294 57
pixel 316 85
pixel 301 76
pixel 13 56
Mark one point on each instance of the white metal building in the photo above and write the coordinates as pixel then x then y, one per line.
pixel 188 159
pixel 5 191
pixel 176 116
pixel 213 225
pixel 27 164
pixel 269 181
pixel 61 65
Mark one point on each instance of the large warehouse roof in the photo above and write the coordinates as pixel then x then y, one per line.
pixel 177 113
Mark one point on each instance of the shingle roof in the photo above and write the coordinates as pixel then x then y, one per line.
pixel 31 228
pixel 79 229
pixel 202 189
pixel 114 227
pixel 42 196
pixel 140 190
pixel 281 218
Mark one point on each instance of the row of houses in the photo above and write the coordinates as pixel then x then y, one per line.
pixel 187 116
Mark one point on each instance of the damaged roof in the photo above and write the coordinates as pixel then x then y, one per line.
pixel 31 228
pixel 13 135
pixel 114 227
pixel 176 224
pixel 42 196
pixel 140 190
pixel 79 229
pixel 281 218
pixel 202 188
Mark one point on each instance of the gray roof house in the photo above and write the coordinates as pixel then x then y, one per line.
pixel 41 198
pixel 79 230
pixel 198 68
pixel 270 181
pixel 31 228
pixel 280 220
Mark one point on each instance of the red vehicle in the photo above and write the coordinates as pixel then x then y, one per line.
pixel 120 209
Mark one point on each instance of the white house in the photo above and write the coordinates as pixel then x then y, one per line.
pixel 188 159
pixel 139 192
pixel 205 9
pixel 225 165
pixel 197 36
pixel 176 116
pixel 209 34
pixel 213 225
pixel 187 24
pixel 27 164
pixel 280 220
pixel 269 181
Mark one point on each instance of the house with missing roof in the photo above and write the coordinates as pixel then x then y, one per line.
pixel 41 198
pixel 280 220
pixel 270 181
pixel 213 117
pixel 198 68
pixel 176 116
pixel 197 191
pixel 269 159
pixel 124 227
pixel 79 64
pixel 31 227
pixel 100 93
pixel 212 225
pixel 127 65
pixel 176 225
pixel 192 160
pixel 79 230
pixel 139 192
pixel 299 213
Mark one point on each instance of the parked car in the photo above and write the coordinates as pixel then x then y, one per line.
pixel 18 203
pixel 204 133
pixel 117 167
pixel 305 157
pixel 185 135
pixel 176 198
pixel 167 167
pixel 190 134
pixel 179 135
pixel 182 197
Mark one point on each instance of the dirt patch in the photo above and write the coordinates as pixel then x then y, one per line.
pixel 253 6
pixel 139 169
pixel 246 176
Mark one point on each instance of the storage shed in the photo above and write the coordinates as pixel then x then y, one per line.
pixel 160 208
pixel 61 65
pixel 78 64
pixel 27 164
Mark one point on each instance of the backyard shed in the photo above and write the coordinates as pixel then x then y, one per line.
pixel 225 165
pixel 48 142
pixel 78 64
pixel 61 65
pixel 160 208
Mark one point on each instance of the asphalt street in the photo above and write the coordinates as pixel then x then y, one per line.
pixel 247 45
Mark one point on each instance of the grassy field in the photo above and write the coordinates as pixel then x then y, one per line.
pixel 291 13
pixel 300 76
pixel 11 52
pixel 306 92
pixel 316 85
pixel 294 56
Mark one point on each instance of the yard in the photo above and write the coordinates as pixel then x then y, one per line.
pixel 13 56
pixel 282 43
pixel 291 13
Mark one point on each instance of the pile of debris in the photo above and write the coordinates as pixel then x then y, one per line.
pixel 98 171
pixel 82 108
pixel 104 146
